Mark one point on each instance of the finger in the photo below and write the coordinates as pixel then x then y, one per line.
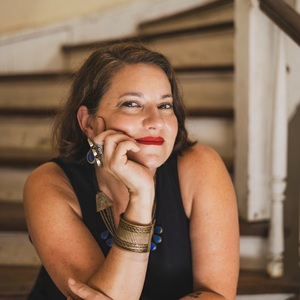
pixel 116 155
pixel 100 138
pixel 112 141
pixel 82 290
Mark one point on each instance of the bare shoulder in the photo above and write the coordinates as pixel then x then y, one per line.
pixel 199 159
pixel 202 173
pixel 49 181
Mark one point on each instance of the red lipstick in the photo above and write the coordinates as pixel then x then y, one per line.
pixel 151 140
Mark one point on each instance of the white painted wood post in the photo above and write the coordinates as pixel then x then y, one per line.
pixel 279 163
pixel 297 7
pixel 253 100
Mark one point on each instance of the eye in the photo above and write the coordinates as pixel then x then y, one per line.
pixel 165 106
pixel 130 104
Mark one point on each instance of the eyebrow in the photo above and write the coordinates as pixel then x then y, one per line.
pixel 140 95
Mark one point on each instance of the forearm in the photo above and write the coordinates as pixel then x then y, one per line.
pixel 122 275
pixel 126 264
pixel 203 295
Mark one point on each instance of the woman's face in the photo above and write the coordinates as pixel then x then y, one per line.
pixel 139 103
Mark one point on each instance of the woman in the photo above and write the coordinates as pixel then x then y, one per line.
pixel 131 207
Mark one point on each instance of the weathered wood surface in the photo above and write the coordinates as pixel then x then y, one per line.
pixel 12 216
pixel 192 48
pixel 213 13
pixel 25 139
pixel 202 90
pixel 207 91
pixel 33 92
pixel 16 282
pixel 17 250
pixel 12 181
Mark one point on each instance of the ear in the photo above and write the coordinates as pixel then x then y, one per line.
pixel 85 121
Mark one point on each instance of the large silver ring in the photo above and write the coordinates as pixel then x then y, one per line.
pixel 95 154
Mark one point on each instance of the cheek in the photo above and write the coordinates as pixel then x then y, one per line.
pixel 173 128
pixel 120 123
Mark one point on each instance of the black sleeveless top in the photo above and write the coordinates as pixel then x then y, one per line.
pixel 169 273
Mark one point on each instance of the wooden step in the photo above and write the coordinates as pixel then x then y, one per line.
pixel 205 15
pixel 33 93
pixel 207 92
pixel 25 140
pixel 258 282
pixel 16 283
pixel 12 217
pixel 17 250
pixel 198 46
pixel 14 238
pixel 11 183
pixel 215 132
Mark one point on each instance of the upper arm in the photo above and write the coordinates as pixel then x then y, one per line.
pixel 62 241
pixel 210 202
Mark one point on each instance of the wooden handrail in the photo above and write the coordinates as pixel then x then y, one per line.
pixel 284 16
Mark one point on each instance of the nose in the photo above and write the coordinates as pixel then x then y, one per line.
pixel 153 118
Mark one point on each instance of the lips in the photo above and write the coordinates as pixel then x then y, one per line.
pixel 150 140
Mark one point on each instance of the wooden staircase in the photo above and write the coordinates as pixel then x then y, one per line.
pixel 199 43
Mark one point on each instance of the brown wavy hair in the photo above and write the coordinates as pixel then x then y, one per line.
pixel 91 82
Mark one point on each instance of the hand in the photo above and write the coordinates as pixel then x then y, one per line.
pixel 118 149
pixel 84 292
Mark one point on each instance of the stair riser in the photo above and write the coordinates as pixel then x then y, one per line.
pixel 217 15
pixel 12 181
pixel 30 137
pixel 217 133
pixel 190 50
pixel 214 49
pixel 25 138
pixel 253 252
pixel 207 91
pixel 16 250
pixel 266 297
pixel 200 90
pixel 32 93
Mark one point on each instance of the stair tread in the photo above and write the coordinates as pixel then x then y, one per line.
pixel 179 17
pixel 18 281
pixel 12 219
pixel 258 282
pixel 148 37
